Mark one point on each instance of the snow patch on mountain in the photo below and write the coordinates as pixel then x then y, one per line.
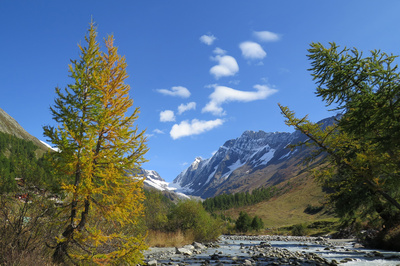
pixel 48 146
pixel 232 168
pixel 265 158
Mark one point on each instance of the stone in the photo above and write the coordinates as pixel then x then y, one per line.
pixel 152 263
pixel 189 247
pixel 334 263
pixel 183 251
pixel 214 257
pixel 197 245
pixel 247 262
pixel 357 245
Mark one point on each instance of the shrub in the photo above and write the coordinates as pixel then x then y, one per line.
pixel 257 223
pixel 299 230
pixel 25 230
pixel 243 223
pixel 190 216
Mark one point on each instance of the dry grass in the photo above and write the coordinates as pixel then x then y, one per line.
pixel 288 209
pixel 168 239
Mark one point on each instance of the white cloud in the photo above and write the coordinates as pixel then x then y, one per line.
pixel 176 91
pixel 219 51
pixel 149 135
pixel 266 36
pixel 227 66
pixel 167 116
pixel 208 39
pixel 186 107
pixel 158 131
pixel 224 94
pixel 252 50
pixel 195 127
pixel 211 86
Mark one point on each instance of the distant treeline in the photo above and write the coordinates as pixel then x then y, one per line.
pixel 19 164
pixel 227 201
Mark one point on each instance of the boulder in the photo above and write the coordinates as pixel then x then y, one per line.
pixel 152 263
pixel 197 245
pixel 183 251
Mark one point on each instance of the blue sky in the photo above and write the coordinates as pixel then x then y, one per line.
pixel 202 72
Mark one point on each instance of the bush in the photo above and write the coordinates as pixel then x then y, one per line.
pixel 389 239
pixel 157 207
pixel 25 229
pixel 257 223
pixel 191 217
pixel 245 223
pixel 313 209
pixel 299 230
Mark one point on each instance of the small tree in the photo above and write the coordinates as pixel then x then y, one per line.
pixel 257 223
pixel 243 223
pixel 100 152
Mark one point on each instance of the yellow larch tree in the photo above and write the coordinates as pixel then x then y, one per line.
pixel 100 151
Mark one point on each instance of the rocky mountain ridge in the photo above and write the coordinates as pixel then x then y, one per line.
pixel 254 159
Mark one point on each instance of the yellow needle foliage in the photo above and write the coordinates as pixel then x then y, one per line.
pixel 100 153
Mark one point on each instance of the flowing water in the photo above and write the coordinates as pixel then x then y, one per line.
pixel 236 250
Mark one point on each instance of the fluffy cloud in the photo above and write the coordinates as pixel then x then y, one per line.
pixel 252 50
pixel 186 107
pixel 195 127
pixel 219 51
pixel 167 116
pixel 176 91
pixel 224 94
pixel 266 36
pixel 227 66
pixel 208 39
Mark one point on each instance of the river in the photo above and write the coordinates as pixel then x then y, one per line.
pixel 273 250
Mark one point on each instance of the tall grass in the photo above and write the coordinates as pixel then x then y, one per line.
pixel 169 239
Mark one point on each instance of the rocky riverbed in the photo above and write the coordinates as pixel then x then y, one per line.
pixel 271 250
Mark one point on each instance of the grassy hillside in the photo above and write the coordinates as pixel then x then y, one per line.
pixel 288 208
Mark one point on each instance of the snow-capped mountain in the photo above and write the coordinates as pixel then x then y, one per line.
pixel 155 181
pixel 254 159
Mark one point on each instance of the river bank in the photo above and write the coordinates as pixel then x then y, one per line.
pixel 272 250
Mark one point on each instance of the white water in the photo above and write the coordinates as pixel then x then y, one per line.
pixel 340 251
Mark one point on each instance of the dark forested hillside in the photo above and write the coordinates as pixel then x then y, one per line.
pixel 227 201
pixel 20 165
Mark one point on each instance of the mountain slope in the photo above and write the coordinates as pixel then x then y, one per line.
pixel 289 208
pixel 254 159
pixel 10 126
